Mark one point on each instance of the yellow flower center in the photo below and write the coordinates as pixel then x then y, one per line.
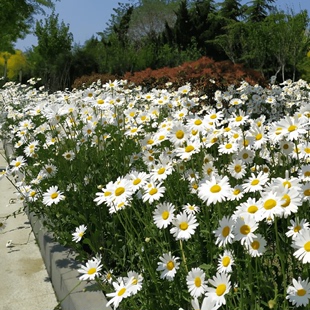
pixel 165 215
pixel 17 164
pixel 189 149
pixel 255 245
pixel 197 282
pixel 220 290
pixel 301 292
pixel 255 182
pixel 252 209
pixel 269 204
pixel 307 192
pixel 307 150
pixel 226 231
pixel 170 265
pixel 297 229
pixel 106 194
pixel 285 146
pixel 287 199
pixel 121 291
pixel 151 141
pixel 245 155
pixel 226 261
pixel 239 118
pixel 228 146
pixel 183 225
pixel 179 134
pixel 245 229
pixel 238 168
pixel 198 122
pixel 213 116
pixel 278 131
pixel 136 181
pixel 307 174
pixel 119 191
pixel 236 191
pixel 161 170
pixel 153 191
pixel 307 246
pixel 91 270
pixel 134 281
pixel 54 195
pixel 292 128
pixel 215 189
pixel 258 137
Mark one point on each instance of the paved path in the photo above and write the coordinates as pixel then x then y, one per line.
pixel 24 284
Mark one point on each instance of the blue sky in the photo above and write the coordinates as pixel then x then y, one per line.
pixel 85 18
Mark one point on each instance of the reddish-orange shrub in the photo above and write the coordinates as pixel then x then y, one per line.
pixel 204 74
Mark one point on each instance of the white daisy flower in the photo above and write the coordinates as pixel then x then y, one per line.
pixel 136 281
pixel 195 281
pixel 296 228
pixel 302 246
pixel 299 293
pixel 90 270
pixel 255 183
pixel 163 214
pixel 121 290
pixel 244 229
pixel 222 285
pixel 256 247
pixel 52 195
pixel 79 233
pixel 225 262
pixel 168 266
pixel 214 190
pixel 152 192
pixel 184 226
pixel 224 233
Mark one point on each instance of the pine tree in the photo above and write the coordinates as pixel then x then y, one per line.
pixel 258 10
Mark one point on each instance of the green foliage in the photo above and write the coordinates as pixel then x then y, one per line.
pixel 16 18
pixel 51 58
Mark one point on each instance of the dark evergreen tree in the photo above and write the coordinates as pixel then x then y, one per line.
pixel 206 27
pixel 258 10
pixel 231 10
pixel 121 29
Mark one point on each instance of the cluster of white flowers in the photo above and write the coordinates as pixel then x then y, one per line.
pixel 228 158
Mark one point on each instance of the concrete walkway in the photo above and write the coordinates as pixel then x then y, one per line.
pixel 25 283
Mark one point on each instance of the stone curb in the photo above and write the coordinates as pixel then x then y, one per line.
pixel 62 268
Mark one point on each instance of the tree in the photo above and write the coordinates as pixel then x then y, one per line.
pixel 230 10
pixel 149 17
pixel 16 18
pixel 52 56
pixel 183 28
pixel 258 10
pixel 13 65
pixel 289 42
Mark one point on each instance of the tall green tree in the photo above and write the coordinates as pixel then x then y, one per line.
pixel 52 56
pixel 16 19
pixel 231 10
pixel 258 10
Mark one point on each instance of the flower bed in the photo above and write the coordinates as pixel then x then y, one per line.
pixel 171 202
